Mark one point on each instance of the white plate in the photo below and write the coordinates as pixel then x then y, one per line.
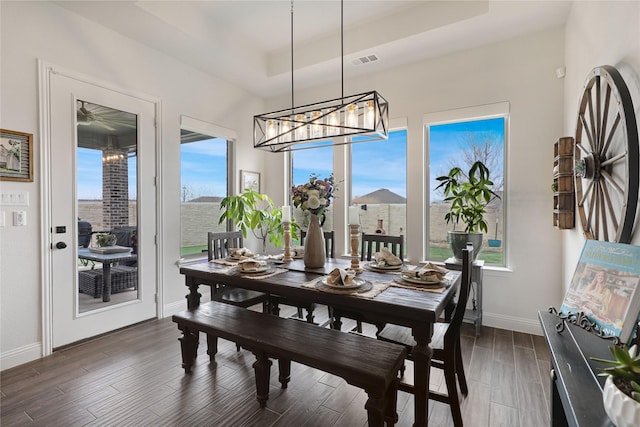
pixel 355 284
pixel 421 281
pixel 260 269
pixel 374 266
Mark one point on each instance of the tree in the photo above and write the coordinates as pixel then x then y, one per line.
pixel 484 147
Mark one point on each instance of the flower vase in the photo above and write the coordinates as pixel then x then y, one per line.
pixel 314 251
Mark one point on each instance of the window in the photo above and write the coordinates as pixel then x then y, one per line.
pixel 379 183
pixel 304 163
pixel 204 166
pixel 461 142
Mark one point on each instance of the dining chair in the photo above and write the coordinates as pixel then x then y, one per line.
pixel 218 244
pixel 276 300
pixel 445 343
pixel 370 244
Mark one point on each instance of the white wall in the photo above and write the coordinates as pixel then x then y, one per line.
pixel 598 33
pixel 32 30
pixel 521 72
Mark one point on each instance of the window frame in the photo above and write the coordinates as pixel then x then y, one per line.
pixel 468 114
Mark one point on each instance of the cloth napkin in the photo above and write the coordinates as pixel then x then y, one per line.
pixel 339 276
pixel 385 257
pixel 250 264
pixel 240 253
pixel 428 272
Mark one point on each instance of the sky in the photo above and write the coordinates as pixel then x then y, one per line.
pixel 376 165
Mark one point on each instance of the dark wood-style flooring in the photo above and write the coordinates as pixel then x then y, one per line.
pixel 133 378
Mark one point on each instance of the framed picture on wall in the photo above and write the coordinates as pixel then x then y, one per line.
pixel 16 156
pixel 250 180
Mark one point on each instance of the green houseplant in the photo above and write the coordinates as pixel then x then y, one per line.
pixel 621 393
pixel 253 211
pixel 469 195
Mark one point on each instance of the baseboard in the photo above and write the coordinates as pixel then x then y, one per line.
pixel 20 356
pixel 518 324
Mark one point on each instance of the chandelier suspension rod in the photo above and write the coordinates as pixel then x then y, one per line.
pixel 342 45
pixel 292 103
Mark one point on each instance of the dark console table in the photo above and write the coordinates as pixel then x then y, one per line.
pixel 576 391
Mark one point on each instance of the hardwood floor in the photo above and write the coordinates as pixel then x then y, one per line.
pixel 133 377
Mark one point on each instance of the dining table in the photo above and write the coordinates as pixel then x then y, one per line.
pixel 386 299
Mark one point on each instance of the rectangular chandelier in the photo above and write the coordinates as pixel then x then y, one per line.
pixel 354 118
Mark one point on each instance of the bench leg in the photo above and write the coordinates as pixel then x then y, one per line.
pixel 375 407
pixel 262 367
pixel 391 412
pixel 284 366
pixel 212 347
pixel 189 347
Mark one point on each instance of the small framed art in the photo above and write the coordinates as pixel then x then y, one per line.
pixel 249 180
pixel 16 156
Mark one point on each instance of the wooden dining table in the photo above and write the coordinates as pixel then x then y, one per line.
pixel 416 309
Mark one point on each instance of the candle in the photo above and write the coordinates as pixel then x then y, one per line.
pixel 286 214
pixel 354 215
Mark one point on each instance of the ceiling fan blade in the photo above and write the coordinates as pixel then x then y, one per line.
pixel 104 125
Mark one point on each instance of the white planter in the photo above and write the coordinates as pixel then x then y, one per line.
pixel 621 409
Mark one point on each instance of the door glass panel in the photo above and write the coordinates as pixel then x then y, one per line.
pixel 107 206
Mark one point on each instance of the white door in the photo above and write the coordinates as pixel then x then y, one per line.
pixel 102 171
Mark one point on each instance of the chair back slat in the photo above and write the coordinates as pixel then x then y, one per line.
pixel 465 285
pixel 328 242
pixel 372 243
pixel 218 244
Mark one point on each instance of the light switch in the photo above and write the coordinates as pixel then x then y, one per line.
pixel 19 218
pixel 2 219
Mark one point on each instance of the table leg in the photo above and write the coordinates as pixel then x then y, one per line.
pixel 193 297
pixel 106 282
pixel 422 354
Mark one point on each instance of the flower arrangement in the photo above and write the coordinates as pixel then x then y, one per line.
pixel 314 196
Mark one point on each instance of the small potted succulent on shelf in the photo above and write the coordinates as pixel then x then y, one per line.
pixel 621 393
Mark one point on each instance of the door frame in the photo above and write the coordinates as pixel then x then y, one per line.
pixel 45 70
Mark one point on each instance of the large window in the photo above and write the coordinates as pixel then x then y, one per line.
pixel 379 183
pixel 460 143
pixel 203 183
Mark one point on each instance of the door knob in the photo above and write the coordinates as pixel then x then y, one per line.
pixel 61 245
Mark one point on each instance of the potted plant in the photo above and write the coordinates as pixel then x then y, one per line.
pixel 469 195
pixel 105 239
pixel 621 393
pixel 253 211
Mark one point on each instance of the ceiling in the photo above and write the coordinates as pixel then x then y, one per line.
pixel 248 43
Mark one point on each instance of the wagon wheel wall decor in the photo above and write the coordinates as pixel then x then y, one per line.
pixel 606 157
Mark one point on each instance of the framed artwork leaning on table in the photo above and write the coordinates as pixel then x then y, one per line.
pixel 605 287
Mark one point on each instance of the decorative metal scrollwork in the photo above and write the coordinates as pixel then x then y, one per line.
pixel 580 319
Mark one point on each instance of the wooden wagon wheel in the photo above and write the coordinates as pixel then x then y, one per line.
pixel 606 155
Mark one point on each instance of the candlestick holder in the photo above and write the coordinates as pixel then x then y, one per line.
pixel 355 259
pixel 287 242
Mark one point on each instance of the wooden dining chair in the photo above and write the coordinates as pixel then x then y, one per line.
pixel 370 244
pixel 275 300
pixel 445 343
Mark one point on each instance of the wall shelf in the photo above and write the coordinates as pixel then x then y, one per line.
pixel 563 188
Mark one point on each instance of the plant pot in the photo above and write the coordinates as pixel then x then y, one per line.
pixel 458 241
pixel 621 409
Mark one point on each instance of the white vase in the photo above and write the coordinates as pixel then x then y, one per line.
pixel 621 409
pixel 314 251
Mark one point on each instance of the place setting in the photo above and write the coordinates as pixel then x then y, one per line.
pixel 429 277
pixel 385 262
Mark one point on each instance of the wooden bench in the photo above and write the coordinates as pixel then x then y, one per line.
pixel 361 361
